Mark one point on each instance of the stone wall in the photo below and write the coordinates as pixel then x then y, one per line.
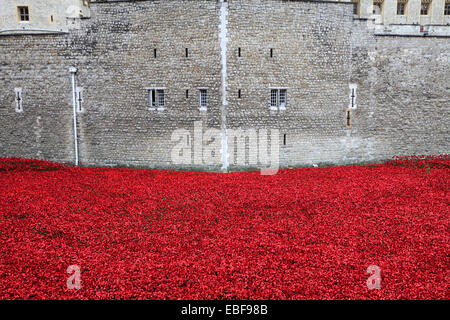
pixel 319 52
pixel 114 54
pixel 311 58
pixel 44 16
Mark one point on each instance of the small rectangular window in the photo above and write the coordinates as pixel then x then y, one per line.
pixel 447 8
pixel 23 12
pixel 203 99
pixel 18 98
pixel 425 8
pixel 156 99
pixel 278 99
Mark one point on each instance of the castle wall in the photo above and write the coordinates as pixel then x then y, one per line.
pixel 311 58
pixel 319 52
pixel 403 103
pixel 114 54
pixel 44 16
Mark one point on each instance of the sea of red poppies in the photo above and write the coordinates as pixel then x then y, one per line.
pixel 301 234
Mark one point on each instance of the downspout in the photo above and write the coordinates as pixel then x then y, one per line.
pixel 73 72
pixel 223 36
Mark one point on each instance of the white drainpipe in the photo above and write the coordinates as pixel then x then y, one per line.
pixel 223 36
pixel 73 71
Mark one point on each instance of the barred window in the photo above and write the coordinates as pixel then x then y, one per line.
pixel 24 14
pixel 425 8
pixel 278 99
pixel 160 95
pixel 156 98
pixel 274 98
pixel 447 8
pixel 203 98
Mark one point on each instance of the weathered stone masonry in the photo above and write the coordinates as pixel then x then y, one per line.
pixel 318 50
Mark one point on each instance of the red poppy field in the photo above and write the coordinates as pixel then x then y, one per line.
pixel 301 234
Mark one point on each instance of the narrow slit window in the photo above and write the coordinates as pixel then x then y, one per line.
pixel 284 139
pixel 154 53
pixel 79 95
pixel 352 96
pixel 24 13
pixel 187 94
pixel 239 93
pixel 18 98
pixel 52 18
pixel 187 52
pixel 239 52
pixel 271 53
pixel 348 119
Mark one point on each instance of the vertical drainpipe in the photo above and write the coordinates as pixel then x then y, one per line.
pixel 73 72
pixel 223 36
